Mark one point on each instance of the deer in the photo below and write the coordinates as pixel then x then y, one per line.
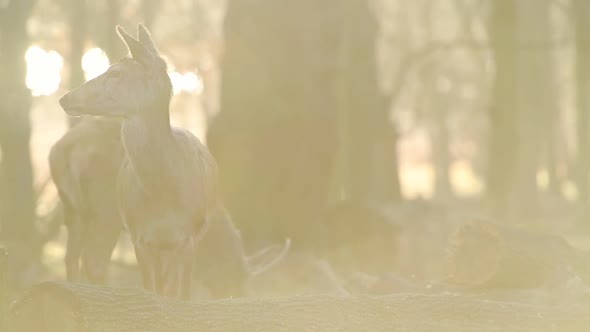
pixel 166 186
pixel 84 164
pixel 167 183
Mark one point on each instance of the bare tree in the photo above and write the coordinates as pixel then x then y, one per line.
pixel 78 19
pixel 503 129
pixel 108 15
pixel 78 24
pixel 17 214
pixel 535 99
pixel 370 141
pixel 582 26
pixel 275 138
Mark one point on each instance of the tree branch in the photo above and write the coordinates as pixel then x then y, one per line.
pixel 414 58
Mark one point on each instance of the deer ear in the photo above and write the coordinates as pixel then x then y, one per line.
pixel 145 38
pixel 138 52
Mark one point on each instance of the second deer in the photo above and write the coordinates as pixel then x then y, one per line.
pixel 84 165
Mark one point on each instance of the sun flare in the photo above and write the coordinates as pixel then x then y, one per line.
pixel 189 82
pixel 43 70
pixel 94 63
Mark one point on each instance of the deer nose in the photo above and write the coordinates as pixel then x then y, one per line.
pixel 64 101
pixel 70 104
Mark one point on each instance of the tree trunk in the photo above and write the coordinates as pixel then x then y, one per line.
pixel 102 31
pixel 503 112
pixel 436 108
pixel 369 143
pixel 304 64
pixel 535 100
pixel 275 136
pixel 4 297
pixel 582 24
pixel 77 20
pixel 18 197
pixel 77 11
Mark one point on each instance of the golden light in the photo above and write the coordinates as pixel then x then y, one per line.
pixel 464 179
pixel 94 63
pixel 188 82
pixel 43 71
pixel 192 83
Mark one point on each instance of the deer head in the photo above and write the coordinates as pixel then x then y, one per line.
pixel 133 86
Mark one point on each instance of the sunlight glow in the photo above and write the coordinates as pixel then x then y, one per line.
pixel 94 63
pixel 43 70
pixel 464 178
pixel 188 82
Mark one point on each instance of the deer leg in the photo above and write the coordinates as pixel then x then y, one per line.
pixel 186 276
pixel 148 267
pixel 177 272
pixel 75 243
pixel 170 272
pixel 185 270
pixel 99 248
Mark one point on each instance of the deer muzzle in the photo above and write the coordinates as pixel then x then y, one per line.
pixel 71 106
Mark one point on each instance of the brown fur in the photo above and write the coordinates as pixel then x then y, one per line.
pixel 84 164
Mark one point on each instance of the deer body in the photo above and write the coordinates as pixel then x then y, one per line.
pixel 166 184
pixel 84 164
pixel 166 191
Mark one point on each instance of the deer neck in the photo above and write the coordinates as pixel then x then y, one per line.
pixel 148 140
